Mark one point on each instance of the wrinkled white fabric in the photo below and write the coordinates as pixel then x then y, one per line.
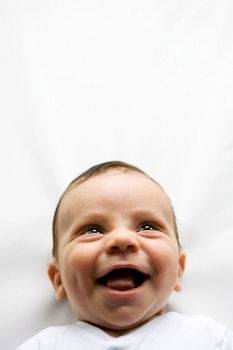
pixel 170 331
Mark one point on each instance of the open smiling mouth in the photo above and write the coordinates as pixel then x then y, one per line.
pixel 123 279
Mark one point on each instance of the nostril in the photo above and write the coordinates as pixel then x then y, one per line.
pixel 115 247
pixel 132 247
pixel 122 247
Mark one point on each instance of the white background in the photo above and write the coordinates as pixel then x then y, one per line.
pixel 82 82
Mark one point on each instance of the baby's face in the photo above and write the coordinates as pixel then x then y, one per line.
pixel 118 258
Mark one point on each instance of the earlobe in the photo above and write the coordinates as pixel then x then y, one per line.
pixel 55 278
pixel 181 268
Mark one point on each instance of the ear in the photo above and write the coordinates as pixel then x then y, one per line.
pixel 181 268
pixel 55 278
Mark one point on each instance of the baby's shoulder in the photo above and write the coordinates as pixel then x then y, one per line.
pixel 48 338
pixel 200 329
pixel 195 321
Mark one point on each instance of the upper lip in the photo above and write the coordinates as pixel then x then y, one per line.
pixel 107 269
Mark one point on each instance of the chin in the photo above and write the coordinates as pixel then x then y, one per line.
pixel 127 321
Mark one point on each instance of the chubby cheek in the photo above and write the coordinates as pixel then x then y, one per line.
pixel 76 267
pixel 164 260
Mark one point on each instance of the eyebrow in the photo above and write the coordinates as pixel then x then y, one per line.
pixel 155 214
pixel 88 217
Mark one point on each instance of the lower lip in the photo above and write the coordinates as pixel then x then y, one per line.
pixel 124 294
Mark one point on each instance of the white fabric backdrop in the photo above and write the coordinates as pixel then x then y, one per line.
pixel 148 82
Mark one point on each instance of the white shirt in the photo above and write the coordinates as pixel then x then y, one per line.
pixel 171 331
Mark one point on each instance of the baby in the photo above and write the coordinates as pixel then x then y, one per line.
pixel 117 259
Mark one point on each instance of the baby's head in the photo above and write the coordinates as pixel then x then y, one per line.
pixel 117 255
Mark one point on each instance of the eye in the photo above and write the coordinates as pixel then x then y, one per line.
pixel 148 227
pixel 92 230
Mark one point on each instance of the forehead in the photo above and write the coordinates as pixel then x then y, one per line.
pixel 122 191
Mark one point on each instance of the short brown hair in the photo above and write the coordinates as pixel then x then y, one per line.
pixel 97 170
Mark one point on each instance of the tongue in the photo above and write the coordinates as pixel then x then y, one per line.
pixel 122 283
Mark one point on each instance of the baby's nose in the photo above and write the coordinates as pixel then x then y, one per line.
pixel 121 242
